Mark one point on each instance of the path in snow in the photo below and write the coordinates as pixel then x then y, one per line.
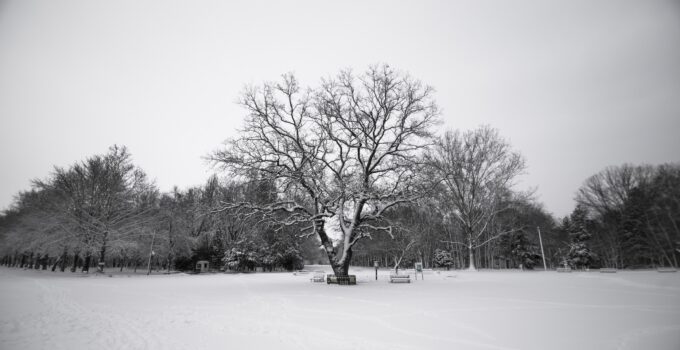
pixel 452 310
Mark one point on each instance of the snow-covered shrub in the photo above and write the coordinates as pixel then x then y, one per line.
pixel 290 259
pixel 443 258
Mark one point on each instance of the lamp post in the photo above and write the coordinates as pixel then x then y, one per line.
pixel 375 264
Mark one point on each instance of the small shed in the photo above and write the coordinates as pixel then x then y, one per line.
pixel 202 266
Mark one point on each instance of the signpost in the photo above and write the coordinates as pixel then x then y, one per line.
pixel 419 268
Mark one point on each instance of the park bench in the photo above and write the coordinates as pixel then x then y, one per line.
pixel 319 276
pixel 341 280
pixel 666 269
pixel 564 269
pixel 400 278
pixel 607 270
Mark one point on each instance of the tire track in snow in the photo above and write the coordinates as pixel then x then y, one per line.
pixel 99 327
pixel 641 333
pixel 383 322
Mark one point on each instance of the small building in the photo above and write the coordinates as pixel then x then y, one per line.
pixel 202 266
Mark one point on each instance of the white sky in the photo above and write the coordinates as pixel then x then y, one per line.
pixel 575 85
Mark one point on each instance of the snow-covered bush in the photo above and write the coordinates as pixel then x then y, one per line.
pixel 443 258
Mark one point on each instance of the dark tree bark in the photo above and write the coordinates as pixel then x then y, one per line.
pixel 86 263
pixel 76 259
pixel 64 261
pixel 44 261
pixel 102 253
pixel 60 262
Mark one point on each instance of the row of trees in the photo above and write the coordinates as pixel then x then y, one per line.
pixel 628 216
pixel 91 209
pixel 426 235
pixel 348 172
pixel 104 212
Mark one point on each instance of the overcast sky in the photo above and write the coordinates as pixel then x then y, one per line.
pixel 574 85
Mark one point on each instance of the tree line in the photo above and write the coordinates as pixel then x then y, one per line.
pixel 345 173
pixel 104 212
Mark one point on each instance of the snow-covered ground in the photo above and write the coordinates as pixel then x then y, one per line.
pixel 448 310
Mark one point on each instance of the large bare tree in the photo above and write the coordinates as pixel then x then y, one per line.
pixel 476 170
pixel 340 154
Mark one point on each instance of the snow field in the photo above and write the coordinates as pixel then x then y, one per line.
pixel 449 310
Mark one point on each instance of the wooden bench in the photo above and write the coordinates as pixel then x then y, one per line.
pixel 341 280
pixel 400 278
pixel 318 277
pixel 608 270
pixel 666 269
pixel 564 269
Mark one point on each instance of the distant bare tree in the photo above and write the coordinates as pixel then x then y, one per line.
pixel 101 201
pixel 605 195
pixel 340 155
pixel 476 170
pixel 607 191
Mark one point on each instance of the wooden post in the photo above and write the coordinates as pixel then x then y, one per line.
pixel 540 240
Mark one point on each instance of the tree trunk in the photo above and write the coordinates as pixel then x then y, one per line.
pixel 342 269
pixel 44 261
pixel 56 262
pixel 171 262
pixel 86 264
pixel 102 254
pixel 471 265
pixel 171 246
pixel 64 261
pixel 75 262
pixel 153 238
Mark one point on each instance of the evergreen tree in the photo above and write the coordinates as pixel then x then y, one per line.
pixel 520 249
pixel 580 254
pixel 636 247
pixel 245 256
